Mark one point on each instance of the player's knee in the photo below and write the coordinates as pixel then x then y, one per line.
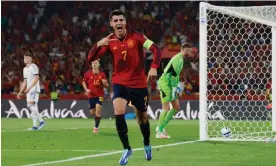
pixel 92 112
pixel 30 104
pixel 142 118
pixel 175 105
pixel 98 110
pixel 119 110
pixel 166 106
pixel 119 106
pixel 33 114
pixel 142 121
pixel 98 107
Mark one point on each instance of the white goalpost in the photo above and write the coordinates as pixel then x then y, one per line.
pixel 237 63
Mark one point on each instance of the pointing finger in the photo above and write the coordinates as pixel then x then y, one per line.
pixel 109 35
pixel 112 40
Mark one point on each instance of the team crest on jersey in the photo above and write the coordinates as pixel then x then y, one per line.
pixel 114 48
pixel 130 43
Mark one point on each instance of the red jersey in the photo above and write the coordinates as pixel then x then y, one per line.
pixel 128 58
pixel 94 83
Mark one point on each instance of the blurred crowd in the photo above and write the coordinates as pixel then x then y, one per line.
pixel 60 35
pixel 239 57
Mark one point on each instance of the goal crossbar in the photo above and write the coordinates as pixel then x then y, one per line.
pixel 227 10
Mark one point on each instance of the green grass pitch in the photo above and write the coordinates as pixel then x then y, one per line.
pixel 70 138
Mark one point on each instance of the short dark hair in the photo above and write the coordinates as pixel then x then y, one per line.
pixel 186 45
pixel 96 60
pixel 28 54
pixel 116 12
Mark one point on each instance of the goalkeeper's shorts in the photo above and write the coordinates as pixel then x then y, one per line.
pixel 167 93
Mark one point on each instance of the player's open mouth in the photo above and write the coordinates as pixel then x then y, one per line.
pixel 119 27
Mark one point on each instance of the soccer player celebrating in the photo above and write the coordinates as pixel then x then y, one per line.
pixel 31 88
pixel 170 87
pixel 93 83
pixel 129 80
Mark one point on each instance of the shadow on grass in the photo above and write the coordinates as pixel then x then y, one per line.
pixel 108 134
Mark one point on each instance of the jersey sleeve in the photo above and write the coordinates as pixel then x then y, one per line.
pixel 176 66
pixel 34 70
pixel 96 52
pixel 174 78
pixel 148 44
pixel 176 63
pixel 85 78
pixel 24 74
pixel 173 70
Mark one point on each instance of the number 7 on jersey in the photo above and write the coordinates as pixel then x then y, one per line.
pixel 124 55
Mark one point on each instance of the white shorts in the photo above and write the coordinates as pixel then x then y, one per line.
pixel 32 96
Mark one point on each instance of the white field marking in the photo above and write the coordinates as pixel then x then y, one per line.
pixel 54 150
pixel 107 154
pixel 26 130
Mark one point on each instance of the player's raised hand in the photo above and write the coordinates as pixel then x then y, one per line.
pixel 87 91
pixel 152 74
pixel 105 83
pixel 18 96
pixel 105 41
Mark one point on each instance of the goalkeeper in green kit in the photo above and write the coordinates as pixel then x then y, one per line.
pixel 170 88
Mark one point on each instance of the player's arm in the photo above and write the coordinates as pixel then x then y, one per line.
pixel 100 48
pixel 178 79
pixel 22 88
pixel 96 52
pixel 84 85
pixel 184 75
pixel 182 79
pixel 149 45
pixel 104 81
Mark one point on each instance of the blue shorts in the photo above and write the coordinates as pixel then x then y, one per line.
pixel 95 100
pixel 137 96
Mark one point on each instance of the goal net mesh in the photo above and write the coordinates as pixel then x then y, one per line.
pixel 239 56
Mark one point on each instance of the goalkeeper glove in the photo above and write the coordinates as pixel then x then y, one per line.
pixel 180 86
pixel 178 90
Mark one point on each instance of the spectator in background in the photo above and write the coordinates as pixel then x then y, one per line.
pixel 77 87
pixel 54 95
pixel 62 36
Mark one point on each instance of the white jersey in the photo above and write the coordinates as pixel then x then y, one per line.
pixel 28 74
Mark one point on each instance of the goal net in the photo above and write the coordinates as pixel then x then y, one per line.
pixel 237 71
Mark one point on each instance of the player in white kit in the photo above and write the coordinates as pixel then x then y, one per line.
pixel 31 88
